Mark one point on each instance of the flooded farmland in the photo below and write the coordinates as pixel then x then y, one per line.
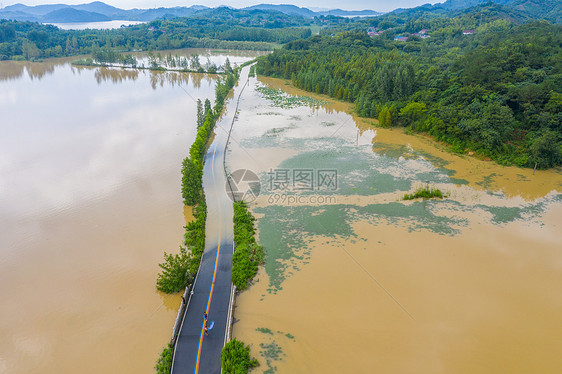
pixel 89 199
pixel 358 280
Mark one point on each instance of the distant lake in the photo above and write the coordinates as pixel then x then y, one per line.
pixel 94 25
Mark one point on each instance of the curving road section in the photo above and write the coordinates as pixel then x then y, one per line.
pixel 195 352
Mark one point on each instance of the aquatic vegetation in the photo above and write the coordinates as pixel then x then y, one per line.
pixel 528 212
pixel 271 352
pixel 286 101
pixel 264 330
pixel 287 248
pixel 425 192
pixel 274 132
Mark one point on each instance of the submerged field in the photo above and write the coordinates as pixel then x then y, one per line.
pixel 90 198
pixel 358 280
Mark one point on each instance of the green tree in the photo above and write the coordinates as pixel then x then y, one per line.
pixel 30 50
pixel 192 176
pixel 227 67
pixel 208 109
pixel 412 113
pixel 545 151
pixel 385 119
pixel 200 113
pixel 194 63
pixel 174 276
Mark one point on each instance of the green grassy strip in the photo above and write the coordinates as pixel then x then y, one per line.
pixel 248 254
pixel 425 193
pixel 236 358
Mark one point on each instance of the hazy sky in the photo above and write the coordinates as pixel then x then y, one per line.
pixel 379 5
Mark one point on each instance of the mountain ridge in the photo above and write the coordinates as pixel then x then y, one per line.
pixel 63 13
pixel 98 10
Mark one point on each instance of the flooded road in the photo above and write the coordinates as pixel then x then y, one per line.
pixel 90 198
pixel 357 280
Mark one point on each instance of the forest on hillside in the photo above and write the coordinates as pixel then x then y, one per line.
pixel 497 92
pixel 216 28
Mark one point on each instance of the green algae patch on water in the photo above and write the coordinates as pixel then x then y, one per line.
pixel 448 262
pixel 271 349
pixel 271 352
pixel 406 152
pixel 264 330
pixel 283 100
pixel 359 172
pixel 284 230
pixel 528 212
pixel 416 216
pixel 487 181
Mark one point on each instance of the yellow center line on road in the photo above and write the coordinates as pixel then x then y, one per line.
pixel 202 335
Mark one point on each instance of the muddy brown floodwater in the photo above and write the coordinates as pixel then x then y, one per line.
pixel 89 199
pixel 357 280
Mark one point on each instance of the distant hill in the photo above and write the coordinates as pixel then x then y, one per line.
pixel 39 10
pixel 550 10
pixel 107 10
pixel 462 4
pixel 165 13
pixel 307 13
pixel 516 10
pixel 18 15
pixel 97 10
pixel 285 8
pixel 349 13
pixel 493 11
pixel 99 7
pixel 69 14
pixel 92 12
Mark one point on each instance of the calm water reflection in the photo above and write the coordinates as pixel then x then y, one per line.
pixel 89 199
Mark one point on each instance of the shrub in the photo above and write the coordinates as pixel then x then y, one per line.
pixel 425 193
pixel 248 254
pixel 236 358
pixel 164 363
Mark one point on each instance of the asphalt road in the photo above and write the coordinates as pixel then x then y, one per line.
pixel 196 352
